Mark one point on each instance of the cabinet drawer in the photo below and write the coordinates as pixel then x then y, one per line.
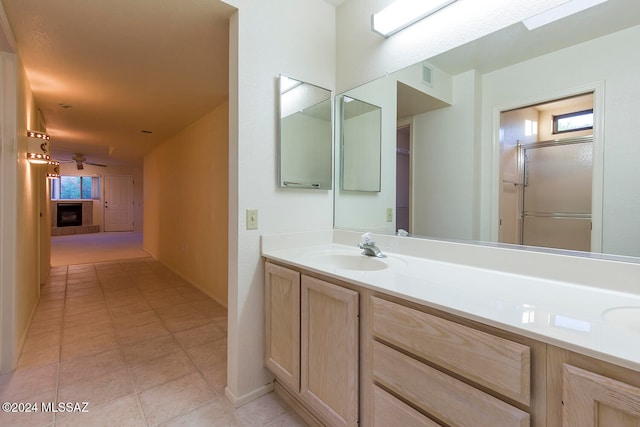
pixel 389 411
pixel 496 363
pixel 444 397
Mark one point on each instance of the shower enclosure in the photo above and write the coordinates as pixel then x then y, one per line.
pixel 555 196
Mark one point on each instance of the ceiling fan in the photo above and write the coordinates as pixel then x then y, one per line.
pixel 81 160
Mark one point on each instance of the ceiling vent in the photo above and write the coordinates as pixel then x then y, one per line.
pixel 427 75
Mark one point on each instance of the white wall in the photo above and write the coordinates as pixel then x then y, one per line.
pixel 443 165
pixel 295 38
pixel 606 61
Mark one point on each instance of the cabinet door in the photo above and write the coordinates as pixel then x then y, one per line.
pixel 282 324
pixel 329 353
pixel 592 400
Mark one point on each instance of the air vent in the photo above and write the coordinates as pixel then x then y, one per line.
pixel 427 75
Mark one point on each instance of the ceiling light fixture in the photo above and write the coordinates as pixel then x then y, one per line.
pixel 559 12
pixel 38 147
pixel 402 13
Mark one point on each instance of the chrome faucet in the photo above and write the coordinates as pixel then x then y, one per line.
pixel 369 247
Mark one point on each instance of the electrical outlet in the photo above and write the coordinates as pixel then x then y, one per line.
pixel 389 214
pixel 252 219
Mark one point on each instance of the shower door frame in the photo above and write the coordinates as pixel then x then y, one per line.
pixel 523 179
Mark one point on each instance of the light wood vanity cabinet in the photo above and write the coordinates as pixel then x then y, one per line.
pixel 312 343
pixel 455 374
pixel 587 392
pixel 410 365
pixel 592 400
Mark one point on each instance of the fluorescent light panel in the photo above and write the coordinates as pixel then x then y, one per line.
pixel 402 13
pixel 559 12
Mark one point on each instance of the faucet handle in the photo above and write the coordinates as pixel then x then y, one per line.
pixel 367 239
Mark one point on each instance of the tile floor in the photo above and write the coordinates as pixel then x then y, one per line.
pixel 139 344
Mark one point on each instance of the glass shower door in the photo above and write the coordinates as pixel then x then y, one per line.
pixel 557 194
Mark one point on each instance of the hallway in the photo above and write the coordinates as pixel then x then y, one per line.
pixel 138 343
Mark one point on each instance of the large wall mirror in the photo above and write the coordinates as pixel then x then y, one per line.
pixel 460 129
pixel 305 143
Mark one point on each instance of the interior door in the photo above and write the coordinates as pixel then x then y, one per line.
pixel 118 203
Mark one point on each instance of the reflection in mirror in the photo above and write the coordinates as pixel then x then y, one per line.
pixel 304 135
pixel 360 143
pixel 459 181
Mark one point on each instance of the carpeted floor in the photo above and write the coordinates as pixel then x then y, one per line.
pixel 96 247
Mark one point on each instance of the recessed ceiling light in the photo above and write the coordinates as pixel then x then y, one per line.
pixel 559 12
pixel 402 13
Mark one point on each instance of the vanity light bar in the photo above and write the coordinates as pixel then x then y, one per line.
pixel 559 12
pixel 403 13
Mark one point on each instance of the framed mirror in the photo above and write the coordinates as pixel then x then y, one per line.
pixel 360 126
pixel 304 140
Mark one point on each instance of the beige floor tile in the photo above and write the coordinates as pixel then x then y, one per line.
pixel 199 335
pixel 133 305
pixel 87 367
pixel 186 321
pixel 89 346
pixel 175 310
pixel 39 327
pixel 45 355
pixel 161 370
pixel 142 351
pixel 37 341
pixel 73 309
pixel 89 317
pixel 135 319
pixel 30 419
pixel 218 413
pixel 175 398
pixel 24 383
pixel 290 419
pixel 211 353
pixel 133 339
pixel 210 309
pixel 83 332
pixel 124 412
pixel 98 390
pixel 262 411
pixel 141 332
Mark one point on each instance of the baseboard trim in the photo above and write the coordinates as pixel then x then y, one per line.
pixel 238 401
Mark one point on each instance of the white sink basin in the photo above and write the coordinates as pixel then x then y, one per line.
pixel 350 262
pixel 627 317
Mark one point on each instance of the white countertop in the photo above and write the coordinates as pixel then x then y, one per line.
pixel 601 323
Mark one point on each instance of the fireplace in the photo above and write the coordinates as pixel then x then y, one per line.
pixel 69 214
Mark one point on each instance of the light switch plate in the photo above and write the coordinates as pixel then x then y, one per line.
pixel 389 214
pixel 252 219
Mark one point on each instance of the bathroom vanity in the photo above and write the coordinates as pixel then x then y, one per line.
pixel 406 340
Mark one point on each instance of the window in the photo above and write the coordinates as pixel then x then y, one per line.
pixel 75 187
pixel 580 120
